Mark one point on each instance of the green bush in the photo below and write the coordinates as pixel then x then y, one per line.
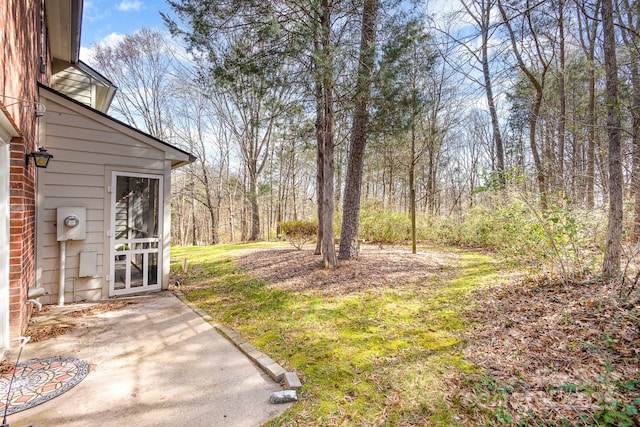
pixel 561 241
pixel 479 228
pixel 298 232
pixel 379 226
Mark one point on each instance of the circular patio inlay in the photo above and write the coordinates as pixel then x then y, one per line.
pixel 39 380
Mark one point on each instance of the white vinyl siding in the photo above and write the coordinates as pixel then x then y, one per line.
pixel 82 84
pixel 75 84
pixel 87 147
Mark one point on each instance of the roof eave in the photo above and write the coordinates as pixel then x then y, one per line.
pixel 177 156
pixel 64 25
pixel 179 164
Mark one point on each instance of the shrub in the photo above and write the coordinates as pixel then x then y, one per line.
pixel 298 232
pixel 478 228
pixel 380 226
pixel 560 241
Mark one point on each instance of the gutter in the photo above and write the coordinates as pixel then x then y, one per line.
pixel 76 29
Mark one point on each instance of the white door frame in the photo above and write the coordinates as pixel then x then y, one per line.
pixel 5 244
pixel 123 250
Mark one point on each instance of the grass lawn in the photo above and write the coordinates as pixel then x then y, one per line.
pixel 382 355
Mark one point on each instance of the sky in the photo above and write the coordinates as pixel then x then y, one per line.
pixel 110 20
pixel 104 20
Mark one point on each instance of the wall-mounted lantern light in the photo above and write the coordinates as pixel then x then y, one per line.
pixel 40 157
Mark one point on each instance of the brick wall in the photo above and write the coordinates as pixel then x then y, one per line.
pixel 21 46
pixel 22 237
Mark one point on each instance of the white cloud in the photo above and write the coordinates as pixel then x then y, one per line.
pixel 86 53
pixel 92 12
pixel 112 39
pixel 442 7
pixel 129 5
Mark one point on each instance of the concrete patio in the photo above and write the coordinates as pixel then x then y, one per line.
pixel 153 362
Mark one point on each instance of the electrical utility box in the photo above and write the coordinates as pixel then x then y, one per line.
pixel 88 263
pixel 71 223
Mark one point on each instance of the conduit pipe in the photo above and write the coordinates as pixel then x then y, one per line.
pixel 63 262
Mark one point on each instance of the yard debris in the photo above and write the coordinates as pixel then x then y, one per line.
pixel 283 396
pixel 101 308
pixel 6 366
pixel 44 332
pixel 554 352
pixel 66 321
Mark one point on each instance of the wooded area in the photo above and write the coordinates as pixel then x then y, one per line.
pixel 501 123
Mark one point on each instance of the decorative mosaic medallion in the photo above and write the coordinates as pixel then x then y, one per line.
pixel 39 380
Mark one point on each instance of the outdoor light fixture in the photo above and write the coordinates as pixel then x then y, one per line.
pixel 40 157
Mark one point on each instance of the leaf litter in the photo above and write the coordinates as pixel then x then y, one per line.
pixel 557 352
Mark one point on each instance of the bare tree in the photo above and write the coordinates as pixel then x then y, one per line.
pixel 326 133
pixel 537 79
pixel 140 66
pixel 588 32
pixel 562 120
pixel 194 127
pixel 630 31
pixel 480 13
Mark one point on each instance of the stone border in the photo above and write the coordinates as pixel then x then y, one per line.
pixel 268 365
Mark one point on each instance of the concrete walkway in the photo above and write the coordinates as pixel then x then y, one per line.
pixel 153 362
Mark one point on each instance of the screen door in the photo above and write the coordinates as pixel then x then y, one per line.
pixel 136 230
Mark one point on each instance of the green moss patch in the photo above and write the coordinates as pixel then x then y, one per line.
pixel 375 355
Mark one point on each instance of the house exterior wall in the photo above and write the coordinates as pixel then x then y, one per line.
pixel 22 49
pixel 78 175
pixel 74 83
pixel 88 149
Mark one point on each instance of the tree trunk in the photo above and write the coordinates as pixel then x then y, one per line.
pixel 319 163
pixel 631 39
pixel 635 177
pixel 591 143
pixel 430 196
pixel 194 240
pixel 328 247
pixel 488 87
pixel 412 188
pixel 613 248
pixel 588 31
pixel 533 123
pixel 352 192
pixel 255 212
pixel 210 205
pixel 243 210
pixel 293 185
pixel 563 98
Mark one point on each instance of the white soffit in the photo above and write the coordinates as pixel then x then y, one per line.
pixel 7 129
pixel 64 20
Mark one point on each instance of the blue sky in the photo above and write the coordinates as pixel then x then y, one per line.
pixel 104 18
pixel 109 19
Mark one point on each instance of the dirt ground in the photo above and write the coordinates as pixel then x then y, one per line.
pixel 548 351
pixel 293 269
